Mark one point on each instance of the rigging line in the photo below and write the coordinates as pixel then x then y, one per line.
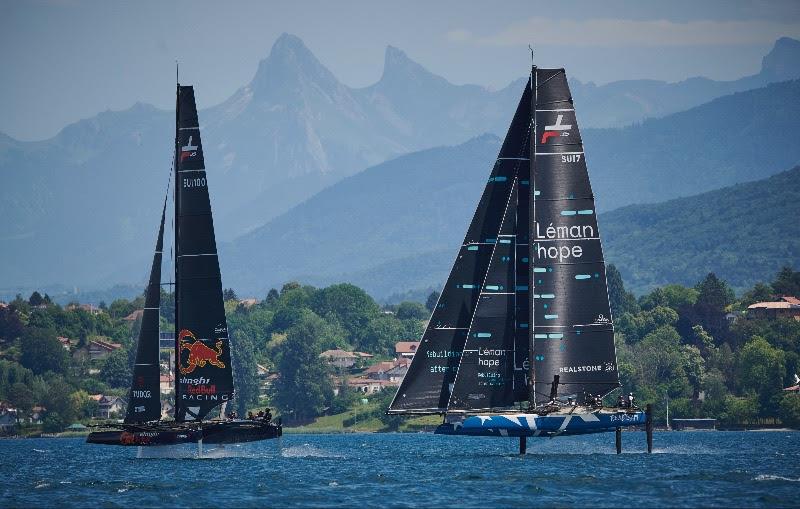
pixel 560 71
pixel 485 277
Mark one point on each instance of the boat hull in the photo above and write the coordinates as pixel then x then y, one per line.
pixel 534 425
pixel 224 432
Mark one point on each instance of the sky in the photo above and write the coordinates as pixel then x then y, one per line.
pixel 64 60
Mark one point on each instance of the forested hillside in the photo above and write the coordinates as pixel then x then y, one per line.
pixel 740 233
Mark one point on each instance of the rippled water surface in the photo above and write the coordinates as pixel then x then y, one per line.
pixel 725 469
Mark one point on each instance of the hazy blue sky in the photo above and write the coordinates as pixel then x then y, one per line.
pixel 63 60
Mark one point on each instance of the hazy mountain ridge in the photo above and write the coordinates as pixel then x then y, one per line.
pixel 90 196
pixel 395 226
pixel 624 102
pixel 736 138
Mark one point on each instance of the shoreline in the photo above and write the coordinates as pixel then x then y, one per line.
pixel 344 431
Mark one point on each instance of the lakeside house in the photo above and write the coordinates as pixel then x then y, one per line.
pixel 101 348
pixel 392 371
pixel 167 409
pixel 369 385
pixel 166 383
pixel 65 342
pixel 37 414
pixel 8 418
pixel 786 307
pixel 406 349
pixel 85 307
pixel 343 359
pixel 108 405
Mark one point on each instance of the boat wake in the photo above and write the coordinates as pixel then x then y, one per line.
pixel 768 477
pixel 308 451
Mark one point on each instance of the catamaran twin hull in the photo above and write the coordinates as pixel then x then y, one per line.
pixel 533 425
pixel 228 432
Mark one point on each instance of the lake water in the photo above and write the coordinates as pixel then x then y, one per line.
pixel 739 469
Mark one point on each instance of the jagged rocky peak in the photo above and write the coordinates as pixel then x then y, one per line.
pixel 291 64
pixel 783 61
pixel 398 67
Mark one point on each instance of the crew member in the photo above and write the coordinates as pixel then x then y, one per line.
pixel 267 415
pixel 621 401
pixel 630 400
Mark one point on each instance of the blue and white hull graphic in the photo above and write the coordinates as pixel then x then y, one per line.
pixel 533 425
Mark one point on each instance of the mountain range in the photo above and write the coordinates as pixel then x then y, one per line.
pixel 394 227
pixel 81 208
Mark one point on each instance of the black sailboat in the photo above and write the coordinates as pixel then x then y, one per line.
pixel 203 375
pixel 521 341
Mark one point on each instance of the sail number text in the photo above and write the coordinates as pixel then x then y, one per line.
pixel 189 183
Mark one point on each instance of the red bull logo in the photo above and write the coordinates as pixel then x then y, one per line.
pixel 199 353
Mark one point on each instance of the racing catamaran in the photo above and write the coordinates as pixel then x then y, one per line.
pixel 521 341
pixel 203 376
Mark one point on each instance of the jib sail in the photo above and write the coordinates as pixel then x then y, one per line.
pixel 203 371
pixel 427 386
pixel 144 401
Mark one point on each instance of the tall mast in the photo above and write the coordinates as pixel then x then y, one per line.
pixel 176 367
pixel 531 251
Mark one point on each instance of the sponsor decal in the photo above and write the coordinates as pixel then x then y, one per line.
pixel 141 394
pixel 205 396
pixel 201 389
pixel 601 319
pixel 627 417
pixel 138 409
pixel 188 150
pixel 555 130
pixel 138 438
pixel 140 381
pixel 200 354
pixel 579 369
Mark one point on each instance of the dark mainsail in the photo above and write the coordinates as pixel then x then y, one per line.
pixel 144 402
pixel 427 385
pixel 534 268
pixel 203 374
pixel 572 332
